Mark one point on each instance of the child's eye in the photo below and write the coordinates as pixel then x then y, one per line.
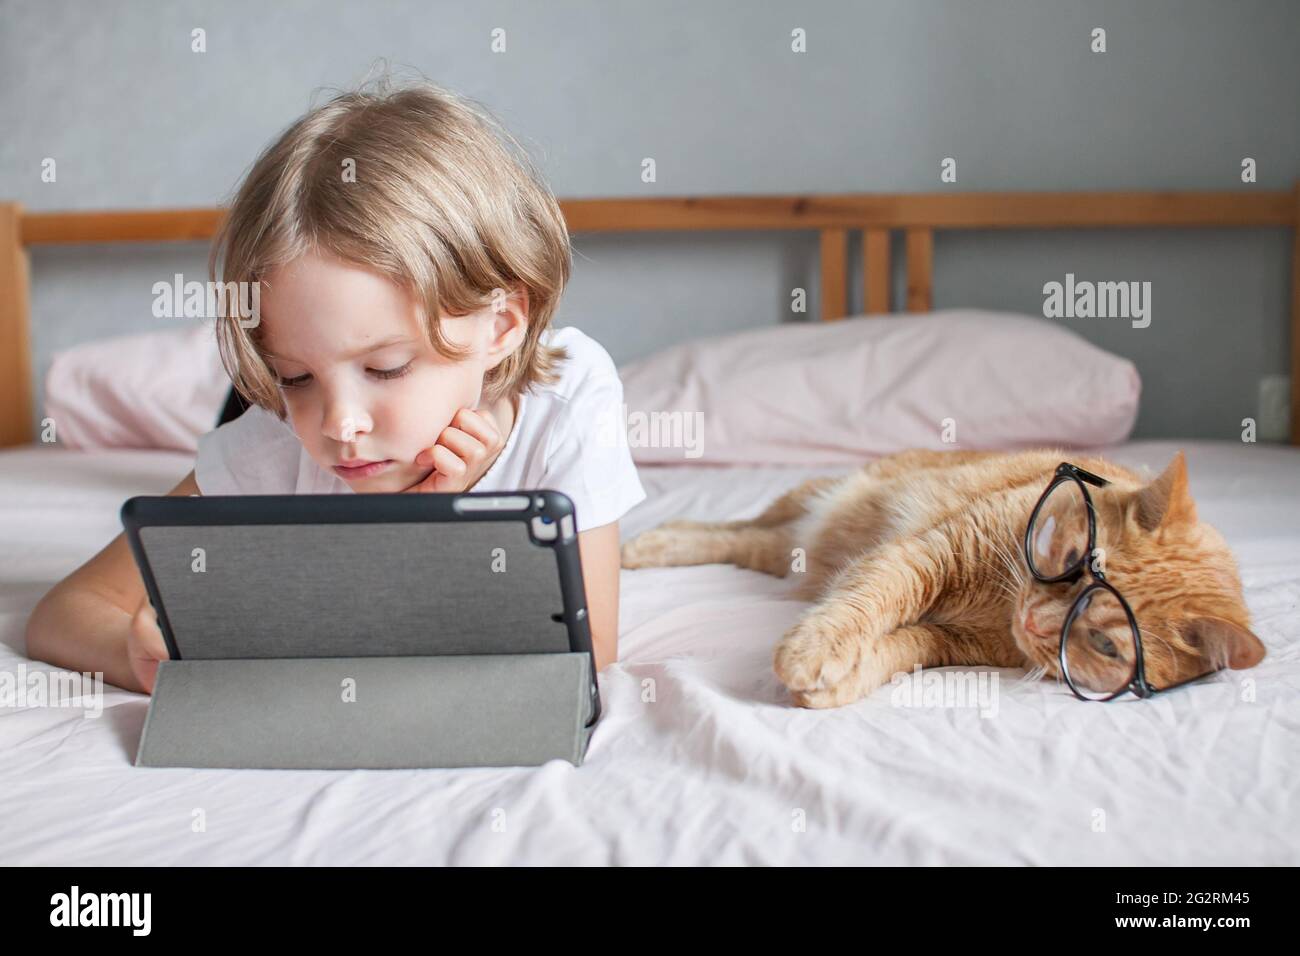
pixel 387 373
pixel 380 373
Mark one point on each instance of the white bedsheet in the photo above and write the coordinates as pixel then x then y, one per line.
pixel 718 768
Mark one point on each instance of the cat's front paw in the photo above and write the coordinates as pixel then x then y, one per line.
pixel 638 552
pixel 850 690
pixel 651 549
pixel 823 667
pixel 812 657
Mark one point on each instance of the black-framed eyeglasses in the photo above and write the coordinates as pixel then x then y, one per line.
pixel 1101 645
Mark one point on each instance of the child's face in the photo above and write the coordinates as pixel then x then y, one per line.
pixel 365 383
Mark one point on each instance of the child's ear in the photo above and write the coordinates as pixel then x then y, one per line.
pixel 509 313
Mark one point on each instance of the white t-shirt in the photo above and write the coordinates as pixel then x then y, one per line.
pixel 560 440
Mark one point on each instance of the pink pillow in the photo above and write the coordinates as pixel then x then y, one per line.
pixel 154 390
pixel 840 392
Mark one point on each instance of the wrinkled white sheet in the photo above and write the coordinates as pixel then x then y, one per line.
pixel 717 768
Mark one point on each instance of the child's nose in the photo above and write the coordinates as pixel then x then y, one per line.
pixel 344 427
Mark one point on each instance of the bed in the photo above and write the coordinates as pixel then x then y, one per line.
pixel 699 757
pixel 716 767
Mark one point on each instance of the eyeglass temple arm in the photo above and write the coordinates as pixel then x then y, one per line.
pixel 1190 680
pixel 1082 475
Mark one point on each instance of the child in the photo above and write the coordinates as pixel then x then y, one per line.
pixel 370 215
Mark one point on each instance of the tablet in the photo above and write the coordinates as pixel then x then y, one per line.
pixel 363 575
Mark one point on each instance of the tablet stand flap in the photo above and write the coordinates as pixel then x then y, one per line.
pixel 489 710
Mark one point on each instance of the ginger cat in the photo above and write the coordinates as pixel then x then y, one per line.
pixel 917 559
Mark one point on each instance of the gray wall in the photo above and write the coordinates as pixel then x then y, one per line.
pixel 713 92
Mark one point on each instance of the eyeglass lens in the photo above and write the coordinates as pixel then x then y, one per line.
pixel 1100 650
pixel 1058 537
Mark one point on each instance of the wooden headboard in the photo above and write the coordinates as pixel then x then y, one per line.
pixel 917 215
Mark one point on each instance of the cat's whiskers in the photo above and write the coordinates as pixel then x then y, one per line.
pixel 1005 583
pixel 1008 571
pixel 1006 587
pixel 1035 673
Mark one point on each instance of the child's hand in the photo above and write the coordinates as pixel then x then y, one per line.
pixel 145 647
pixel 463 453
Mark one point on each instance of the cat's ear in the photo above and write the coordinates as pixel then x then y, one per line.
pixel 1223 642
pixel 1167 500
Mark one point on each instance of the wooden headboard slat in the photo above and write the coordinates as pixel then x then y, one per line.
pixel 875 271
pixel 935 210
pixel 920 270
pixel 162 225
pixel 834 269
pixel 15 331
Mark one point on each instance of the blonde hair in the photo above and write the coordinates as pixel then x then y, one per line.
pixel 444 202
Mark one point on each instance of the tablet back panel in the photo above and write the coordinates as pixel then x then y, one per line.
pixel 347 590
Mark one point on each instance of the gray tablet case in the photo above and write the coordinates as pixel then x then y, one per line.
pixel 366 631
